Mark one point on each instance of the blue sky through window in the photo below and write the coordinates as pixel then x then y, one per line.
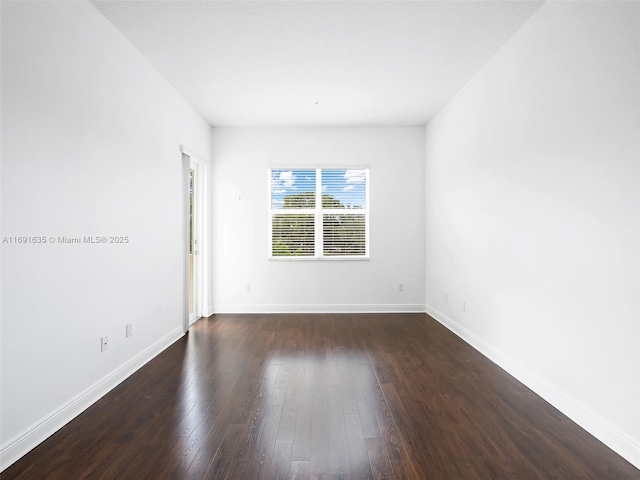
pixel 346 185
pixel 290 182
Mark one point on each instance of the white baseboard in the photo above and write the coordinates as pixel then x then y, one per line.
pixel 604 432
pixel 321 308
pixel 14 449
pixel 209 311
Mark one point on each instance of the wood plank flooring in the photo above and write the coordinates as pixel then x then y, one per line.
pixel 357 396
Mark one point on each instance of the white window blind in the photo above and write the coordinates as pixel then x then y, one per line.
pixel 319 213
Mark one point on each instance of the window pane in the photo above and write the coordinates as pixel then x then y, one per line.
pixel 292 235
pixel 343 235
pixel 293 188
pixel 344 188
pixel 339 203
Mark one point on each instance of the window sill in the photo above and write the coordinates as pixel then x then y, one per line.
pixel 319 259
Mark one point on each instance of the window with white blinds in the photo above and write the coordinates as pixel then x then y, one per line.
pixel 319 213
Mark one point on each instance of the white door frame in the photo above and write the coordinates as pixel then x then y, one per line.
pixel 191 160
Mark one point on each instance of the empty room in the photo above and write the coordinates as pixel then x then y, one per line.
pixel 320 239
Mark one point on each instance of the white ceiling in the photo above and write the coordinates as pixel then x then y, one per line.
pixel 307 63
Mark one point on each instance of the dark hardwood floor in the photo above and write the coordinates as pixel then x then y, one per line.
pixel 355 396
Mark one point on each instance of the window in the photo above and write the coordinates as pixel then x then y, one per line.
pixel 319 213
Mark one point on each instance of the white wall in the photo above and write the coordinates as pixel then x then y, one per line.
pixel 240 159
pixel 91 138
pixel 533 213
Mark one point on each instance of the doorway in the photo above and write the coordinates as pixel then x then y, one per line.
pixel 195 175
pixel 193 244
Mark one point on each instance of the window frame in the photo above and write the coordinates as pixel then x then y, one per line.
pixel 318 213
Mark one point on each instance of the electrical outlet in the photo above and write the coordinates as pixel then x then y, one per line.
pixel 104 344
pixel 446 297
pixel 464 306
pixel 129 329
pixel 247 288
pixel 401 287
